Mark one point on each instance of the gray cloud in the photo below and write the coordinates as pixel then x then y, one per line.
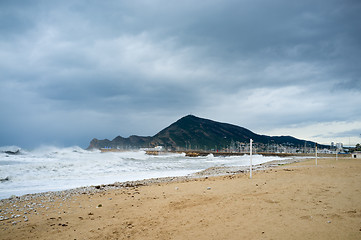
pixel 345 134
pixel 103 69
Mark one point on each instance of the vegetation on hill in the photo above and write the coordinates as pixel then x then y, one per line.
pixel 191 132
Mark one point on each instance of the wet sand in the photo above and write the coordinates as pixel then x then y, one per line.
pixel 294 201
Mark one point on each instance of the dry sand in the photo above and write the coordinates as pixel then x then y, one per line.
pixel 296 201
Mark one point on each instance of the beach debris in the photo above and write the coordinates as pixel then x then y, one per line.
pixel 99 206
pixel 13 197
pixel 209 188
pixel 328 221
pixel 129 224
pixel 176 188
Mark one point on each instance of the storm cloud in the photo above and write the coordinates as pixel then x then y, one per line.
pixel 74 70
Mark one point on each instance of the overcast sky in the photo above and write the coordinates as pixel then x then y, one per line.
pixel 74 70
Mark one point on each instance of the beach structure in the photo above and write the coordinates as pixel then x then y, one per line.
pixel 154 151
pixel 356 155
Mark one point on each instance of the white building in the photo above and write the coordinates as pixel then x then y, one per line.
pixel 339 145
pixel 356 155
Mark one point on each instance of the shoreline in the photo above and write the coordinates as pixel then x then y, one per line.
pixel 68 194
pixel 296 200
pixel 209 172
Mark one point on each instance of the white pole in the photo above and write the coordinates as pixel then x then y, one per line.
pixel 336 154
pixel 250 155
pixel 316 154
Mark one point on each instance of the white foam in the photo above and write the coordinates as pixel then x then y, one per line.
pixel 51 168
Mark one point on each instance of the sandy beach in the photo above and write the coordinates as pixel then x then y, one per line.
pixel 293 201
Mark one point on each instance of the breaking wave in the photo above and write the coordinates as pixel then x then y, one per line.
pixel 50 168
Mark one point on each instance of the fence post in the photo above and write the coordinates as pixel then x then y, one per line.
pixel 316 154
pixel 250 156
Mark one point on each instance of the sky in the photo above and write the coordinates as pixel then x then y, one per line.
pixel 71 71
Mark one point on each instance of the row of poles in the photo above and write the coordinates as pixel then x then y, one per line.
pixel 250 157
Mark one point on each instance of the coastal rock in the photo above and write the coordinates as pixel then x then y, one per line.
pixel 12 152
pixel 5 179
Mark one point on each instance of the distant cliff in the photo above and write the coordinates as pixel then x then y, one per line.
pixel 192 132
pixel 120 142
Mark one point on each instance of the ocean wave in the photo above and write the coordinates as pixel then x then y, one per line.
pixel 52 168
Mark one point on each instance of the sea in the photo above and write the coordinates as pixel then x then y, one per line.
pixel 53 169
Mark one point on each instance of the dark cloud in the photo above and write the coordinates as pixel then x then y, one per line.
pixel 104 69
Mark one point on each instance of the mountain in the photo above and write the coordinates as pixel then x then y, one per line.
pixel 192 132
